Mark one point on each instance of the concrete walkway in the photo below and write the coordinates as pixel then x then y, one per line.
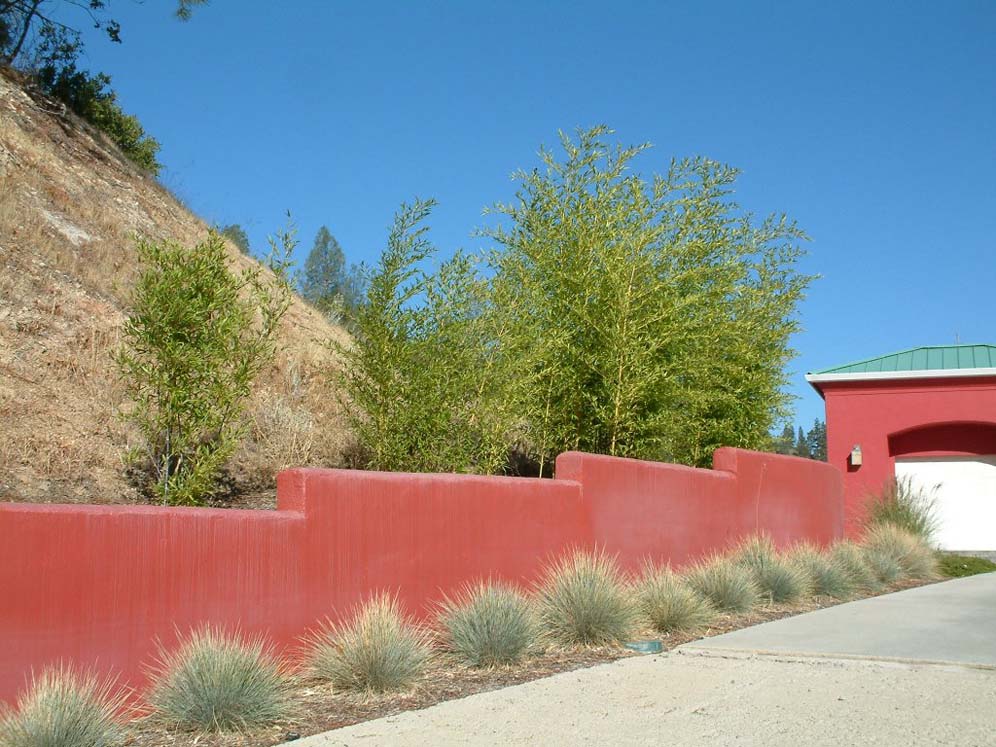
pixel 949 622
pixel 861 673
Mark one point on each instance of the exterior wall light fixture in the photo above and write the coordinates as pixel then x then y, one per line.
pixel 855 456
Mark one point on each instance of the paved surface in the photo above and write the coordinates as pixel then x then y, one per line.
pixel 954 621
pixel 722 692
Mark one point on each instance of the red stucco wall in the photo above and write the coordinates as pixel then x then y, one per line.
pixel 669 512
pixel 903 418
pixel 98 585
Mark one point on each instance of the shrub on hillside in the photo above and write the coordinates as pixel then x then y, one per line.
pixel 91 97
pixel 913 556
pixel 219 681
pixel 196 338
pixel 904 504
pixel 64 708
pixel 488 624
pixel 376 650
pixel 776 577
pixel 850 557
pixel 583 600
pixel 825 574
pixel 669 604
pixel 729 586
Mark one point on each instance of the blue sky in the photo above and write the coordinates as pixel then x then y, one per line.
pixel 873 124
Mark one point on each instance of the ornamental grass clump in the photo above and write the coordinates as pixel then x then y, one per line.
pixel 910 552
pixel 668 604
pixel 64 708
pixel 777 578
pixel 583 600
pixel 826 575
pixel 219 681
pixel 729 586
pixel 851 558
pixel 885 567
pixel 904 504
pixel 488 624
pixel 376 650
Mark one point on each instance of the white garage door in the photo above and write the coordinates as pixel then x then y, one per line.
pixel 966 497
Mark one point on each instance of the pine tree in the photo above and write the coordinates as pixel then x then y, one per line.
pixel 802 445
pixel 326 283
pixel 816 440
pixel 238 236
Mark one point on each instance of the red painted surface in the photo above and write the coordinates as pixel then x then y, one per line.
pixel 889 419
pixel 671 513
pixel 98 585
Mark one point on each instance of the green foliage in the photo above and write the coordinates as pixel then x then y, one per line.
pixel 811 444
pixel 902 503
pixel 668 604
pixel 851 558
pixel 327 284
pixel 728 585
pixel 217 681
pixel 825 575
pixel 23 22
pixel 616 315
pixel 817 440
pixel 583 600
pixel 32 40
pixel 238 236
pixel 89 96
pixel 197 336
pixel 64 708
pixel 424 382
pixel 957 566
pixel 376 650
pixel 911 554
pixel 488 624
pixel 776 577
pixel 650 318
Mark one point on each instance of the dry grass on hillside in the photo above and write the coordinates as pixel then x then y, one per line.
pixel 70 208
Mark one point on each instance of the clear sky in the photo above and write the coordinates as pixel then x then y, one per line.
pixel 872 123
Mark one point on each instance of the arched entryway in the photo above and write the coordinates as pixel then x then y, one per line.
pixel 958 461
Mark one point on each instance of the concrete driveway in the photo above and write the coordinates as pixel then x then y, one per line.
pixel 916 667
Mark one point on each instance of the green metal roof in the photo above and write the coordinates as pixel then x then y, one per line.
pixel 926 358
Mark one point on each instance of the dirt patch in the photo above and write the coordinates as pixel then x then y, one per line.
pixel 71 207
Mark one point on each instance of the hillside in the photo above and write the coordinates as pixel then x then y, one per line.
pixel 70 207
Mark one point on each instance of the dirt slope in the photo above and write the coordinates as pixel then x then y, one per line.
pixel 70 207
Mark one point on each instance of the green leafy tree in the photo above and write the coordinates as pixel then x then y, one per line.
pixel 326 282
pixel 238 236
pixel 195 340
pixel 650 318
pixel 420 379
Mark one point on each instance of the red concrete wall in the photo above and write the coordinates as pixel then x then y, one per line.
pixel 98 585
pixel 671 513
pixel 903 418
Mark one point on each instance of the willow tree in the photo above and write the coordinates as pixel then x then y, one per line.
pixel 648 318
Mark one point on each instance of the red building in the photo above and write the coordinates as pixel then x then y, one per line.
pixel 926 414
